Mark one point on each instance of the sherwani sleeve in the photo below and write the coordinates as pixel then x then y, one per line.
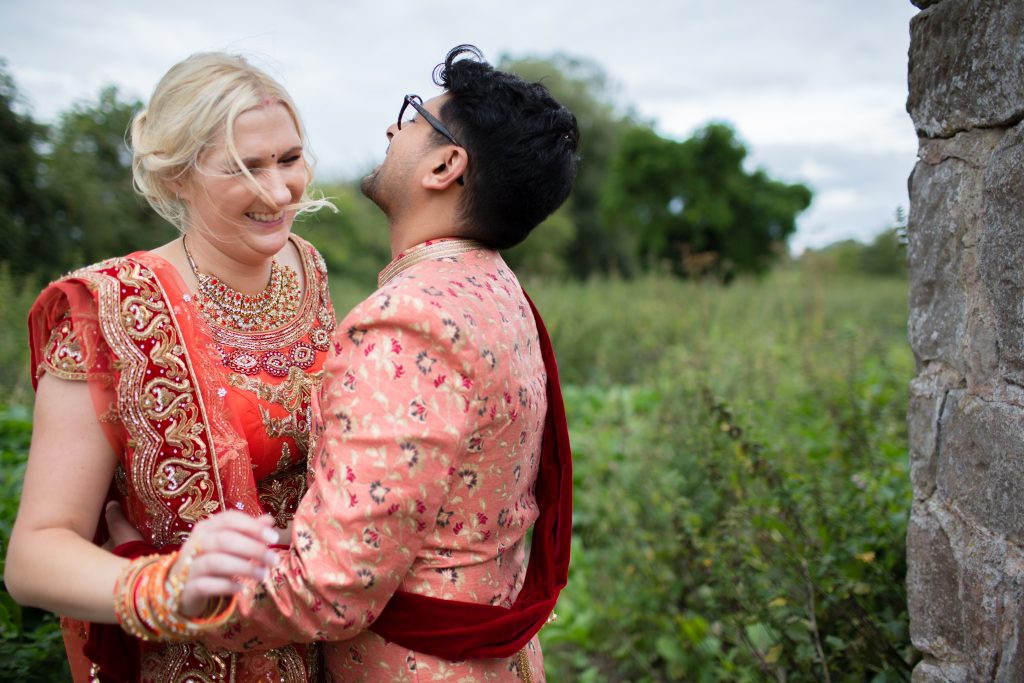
pixel 395 412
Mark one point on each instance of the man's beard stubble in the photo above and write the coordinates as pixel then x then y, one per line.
pixel 368 185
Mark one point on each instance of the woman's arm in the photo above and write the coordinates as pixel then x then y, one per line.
pixel 52 562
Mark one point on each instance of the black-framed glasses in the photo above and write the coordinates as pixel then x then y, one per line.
pixel 416 102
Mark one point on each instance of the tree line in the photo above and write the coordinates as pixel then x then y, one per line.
pixel 641 202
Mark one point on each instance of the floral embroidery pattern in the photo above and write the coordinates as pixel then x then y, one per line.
pixel 423 473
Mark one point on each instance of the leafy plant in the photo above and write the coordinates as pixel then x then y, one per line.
pixel 31 646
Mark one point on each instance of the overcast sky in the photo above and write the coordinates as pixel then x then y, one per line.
pixel 815 88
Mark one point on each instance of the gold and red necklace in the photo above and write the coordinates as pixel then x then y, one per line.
pixel 267 310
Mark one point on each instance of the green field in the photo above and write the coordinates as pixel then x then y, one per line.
pixel 741 487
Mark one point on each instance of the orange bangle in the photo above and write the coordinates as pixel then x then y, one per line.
pixel 126 590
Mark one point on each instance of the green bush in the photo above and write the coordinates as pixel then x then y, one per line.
pixel 741 480
pixel 31 647
pixel 741 507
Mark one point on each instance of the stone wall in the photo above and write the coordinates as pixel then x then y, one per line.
pixel 965 542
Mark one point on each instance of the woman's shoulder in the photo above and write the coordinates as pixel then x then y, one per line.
pixel 136 265
pixel 107 280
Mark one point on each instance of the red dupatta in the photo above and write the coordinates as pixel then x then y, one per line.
pixel 126 326
pixel 456 630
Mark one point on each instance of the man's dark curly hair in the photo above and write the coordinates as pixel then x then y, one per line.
pixel 521 145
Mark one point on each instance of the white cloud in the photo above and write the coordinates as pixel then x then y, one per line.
pixel 824 80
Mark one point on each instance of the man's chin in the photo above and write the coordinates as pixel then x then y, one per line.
pixel 368 185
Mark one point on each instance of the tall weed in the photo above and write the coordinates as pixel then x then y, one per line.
pixel 741 485
pixel 740 470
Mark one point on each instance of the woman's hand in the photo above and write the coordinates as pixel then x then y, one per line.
pixel 221 550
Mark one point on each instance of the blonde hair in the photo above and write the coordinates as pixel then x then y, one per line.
pixel 197 100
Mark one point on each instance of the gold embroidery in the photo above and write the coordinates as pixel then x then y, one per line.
pixel 164 664
pixel 285 459
pixel 280 493
pixel 523 665
pixel 65 355
pixel 289 664
pixel 289 394
pixel 293 394
pixel 428 251
pixel 278 427
pixel 186 662
pixel 131 323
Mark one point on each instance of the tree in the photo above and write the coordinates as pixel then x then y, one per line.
pixel 90 167
pixel 692 207
pixel 26 208
pixel 582 86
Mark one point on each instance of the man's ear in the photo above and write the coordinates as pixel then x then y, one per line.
pixel 449 167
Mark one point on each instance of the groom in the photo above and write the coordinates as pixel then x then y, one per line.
pixel 442 439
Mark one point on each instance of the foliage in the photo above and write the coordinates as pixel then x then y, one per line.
pixel 741 480
pixel 90 173
pixel 639 200
pixel 65 191
pixel 16 295
pixel 354 240
pixel 31 646
pixel 885 256
pixel 25 205
pixel 543 253
pixel 692 206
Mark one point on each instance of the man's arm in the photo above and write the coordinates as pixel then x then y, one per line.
pixel 395 411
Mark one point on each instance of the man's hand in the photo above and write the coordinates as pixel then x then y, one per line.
pixel 121 530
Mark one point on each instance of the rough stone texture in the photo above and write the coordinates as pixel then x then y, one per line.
pixel 932 672
pixel 928 393
pixel 1002 248
pixel 965 596
pixel 980 463
pixel 965 540
pixel 965 66
pixel 945 196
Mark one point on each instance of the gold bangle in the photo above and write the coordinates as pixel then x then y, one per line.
pixel 126 590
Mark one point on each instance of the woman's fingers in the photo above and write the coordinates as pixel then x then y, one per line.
pixel 212 587
pixel 222 551
pixel 232 543
pixel 226 566
pixel 231 533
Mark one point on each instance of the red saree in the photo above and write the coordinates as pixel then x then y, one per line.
pixel 204 419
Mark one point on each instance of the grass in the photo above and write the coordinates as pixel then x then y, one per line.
pixel 741 489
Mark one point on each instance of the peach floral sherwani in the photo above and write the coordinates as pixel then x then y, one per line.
pixel 422 480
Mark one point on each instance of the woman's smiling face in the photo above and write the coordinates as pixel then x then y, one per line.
pixel 226 208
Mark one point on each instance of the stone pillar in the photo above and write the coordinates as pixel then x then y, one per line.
pixel 965 541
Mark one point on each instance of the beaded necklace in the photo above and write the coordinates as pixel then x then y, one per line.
pixel 267 310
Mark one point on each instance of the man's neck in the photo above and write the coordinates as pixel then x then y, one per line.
pixel 406 234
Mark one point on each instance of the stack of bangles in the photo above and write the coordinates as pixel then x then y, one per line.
pixel 147 601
